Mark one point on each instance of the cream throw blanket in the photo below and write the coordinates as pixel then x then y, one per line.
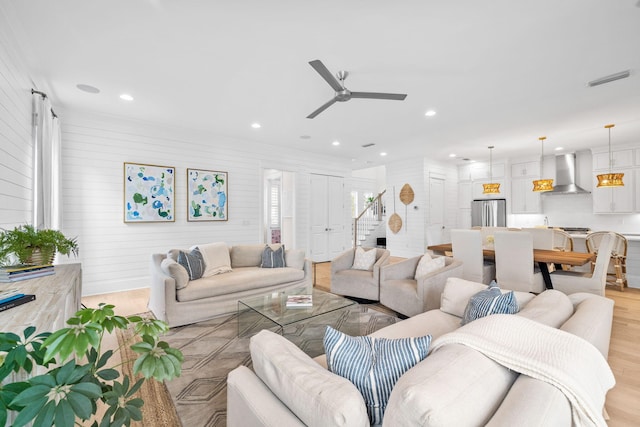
pixel 568 362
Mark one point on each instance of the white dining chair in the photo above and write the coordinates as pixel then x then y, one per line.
pixel 617 271
pixel 514 262
pixel 467 247
pixel 570 282
pixel 542 237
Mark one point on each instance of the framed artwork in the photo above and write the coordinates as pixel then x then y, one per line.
pixel 207 195
pixel 148 193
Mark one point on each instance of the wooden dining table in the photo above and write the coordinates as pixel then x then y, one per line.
pixel 543 257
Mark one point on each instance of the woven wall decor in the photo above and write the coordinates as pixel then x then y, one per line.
pixel 395 222
pixel 406 197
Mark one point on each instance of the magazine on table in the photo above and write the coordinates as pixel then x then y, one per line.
pixel 299 301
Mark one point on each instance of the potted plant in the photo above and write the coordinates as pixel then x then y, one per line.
pixel 32 246
pixel 76 377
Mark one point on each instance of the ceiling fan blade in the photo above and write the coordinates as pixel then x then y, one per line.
pixel 326 74
pixel 376 95
pixel 321 109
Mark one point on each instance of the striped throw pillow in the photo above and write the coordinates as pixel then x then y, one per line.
pixel 373 365
pixel 271 258
pixel 193 262
pixel 489 301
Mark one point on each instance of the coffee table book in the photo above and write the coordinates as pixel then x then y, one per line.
pixel 295 301
pixel 17 302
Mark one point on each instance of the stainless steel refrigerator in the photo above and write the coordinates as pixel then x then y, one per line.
pixel 489 213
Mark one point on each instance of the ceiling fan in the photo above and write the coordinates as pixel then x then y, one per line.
pixel 342 93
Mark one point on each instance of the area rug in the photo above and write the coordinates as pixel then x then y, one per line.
pixel 212 349
pixel 158 409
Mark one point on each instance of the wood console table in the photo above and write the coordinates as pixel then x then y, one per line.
pixel 57 299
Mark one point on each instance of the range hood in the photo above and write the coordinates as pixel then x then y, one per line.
pixel 565 182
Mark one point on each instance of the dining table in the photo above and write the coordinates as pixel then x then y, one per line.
pixel 543 257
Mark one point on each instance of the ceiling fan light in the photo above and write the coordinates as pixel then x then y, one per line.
pixel 542 185
pixel 610 180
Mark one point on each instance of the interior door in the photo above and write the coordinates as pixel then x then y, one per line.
pixel 327 217
pixel 435 228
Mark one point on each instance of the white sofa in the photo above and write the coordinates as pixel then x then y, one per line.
pixel 180 301
pixel 454 386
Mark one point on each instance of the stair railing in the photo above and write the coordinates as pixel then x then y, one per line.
pixel 363 223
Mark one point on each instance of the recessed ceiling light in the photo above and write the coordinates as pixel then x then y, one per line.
pixel 256 125
pixel 126 97
pixel 430 113
pixel 452 155
pixel 559 148
pixel 336 143
pixel 88 88
pixel 383 154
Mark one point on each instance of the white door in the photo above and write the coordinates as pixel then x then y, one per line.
pixel 435 227
pixel 327 217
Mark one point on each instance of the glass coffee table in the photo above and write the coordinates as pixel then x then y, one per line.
pixel 270 310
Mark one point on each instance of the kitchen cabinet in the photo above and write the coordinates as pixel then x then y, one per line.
pixel 523 199
pixel 528 169
pixel 620 159
pixel 614 199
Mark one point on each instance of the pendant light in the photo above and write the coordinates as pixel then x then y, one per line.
pixel 541 185
pixel 491 187
pixel 610 179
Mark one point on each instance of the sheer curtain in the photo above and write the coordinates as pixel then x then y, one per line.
pixel 47 163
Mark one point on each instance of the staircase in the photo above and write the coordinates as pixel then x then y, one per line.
pixel 368 221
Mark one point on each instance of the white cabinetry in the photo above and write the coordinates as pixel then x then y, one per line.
pixel 614 199
pixel 523 199
pixel 619 159
pixel 530 169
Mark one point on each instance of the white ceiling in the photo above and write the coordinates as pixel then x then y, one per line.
pixel 499 72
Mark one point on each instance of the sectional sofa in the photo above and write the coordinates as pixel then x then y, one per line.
pixel 457 384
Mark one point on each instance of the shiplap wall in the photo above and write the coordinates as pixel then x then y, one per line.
pixel 16 172
pixel 414 237
pixel 116 255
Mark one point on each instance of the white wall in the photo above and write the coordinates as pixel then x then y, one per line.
pixel 16 172
pixel 116 256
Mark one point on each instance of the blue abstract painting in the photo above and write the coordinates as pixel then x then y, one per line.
pixel 207 195
pixel 148 193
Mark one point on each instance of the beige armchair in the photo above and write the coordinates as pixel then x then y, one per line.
pixel 401 292
pixel 357 283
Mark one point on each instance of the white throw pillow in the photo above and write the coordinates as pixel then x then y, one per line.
pixel 428 264
pixel 364 260
pixel 216 258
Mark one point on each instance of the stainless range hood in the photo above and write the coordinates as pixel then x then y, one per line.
pixel 565 182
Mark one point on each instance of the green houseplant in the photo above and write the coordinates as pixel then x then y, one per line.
pixel 77 377
pixel 32 246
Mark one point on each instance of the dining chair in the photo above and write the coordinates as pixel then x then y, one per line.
pixel 467 247
pixel 562 241
pixel 571 282
pixel 514 262
pixel 542 237
pixel 617 270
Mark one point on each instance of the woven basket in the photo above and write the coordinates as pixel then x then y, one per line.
pixel 395 223
pixel 406 194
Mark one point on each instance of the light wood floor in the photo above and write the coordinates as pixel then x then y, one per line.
pixel 623 401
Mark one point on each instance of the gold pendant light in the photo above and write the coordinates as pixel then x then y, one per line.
pixel 491 187
pixel 610 179
pixel 541 185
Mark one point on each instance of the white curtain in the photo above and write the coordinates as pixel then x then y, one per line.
pixel 47 163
